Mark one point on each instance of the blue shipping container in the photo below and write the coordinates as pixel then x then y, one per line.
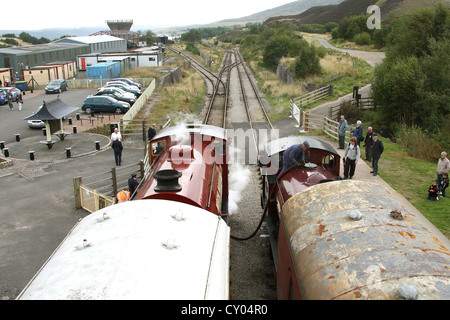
pixel 103 70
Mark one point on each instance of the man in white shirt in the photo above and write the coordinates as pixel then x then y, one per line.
pixel 116 135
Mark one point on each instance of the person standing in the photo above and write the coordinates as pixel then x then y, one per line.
pixel 123 195
pixel 351 158
pixel 443 166
pixel 19 100
pixel 358 133
pixel 132 184
pixel 9 97
pixel 377 150
pixel 368 143
pixel 151 132
pixel 117 147
pixel 342 130
pixel 116 135
pixel 444 184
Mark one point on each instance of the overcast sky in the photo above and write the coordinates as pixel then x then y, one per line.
pixel 36 15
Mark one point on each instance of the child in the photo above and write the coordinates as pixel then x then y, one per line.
pixel 444 184
pixel 433 191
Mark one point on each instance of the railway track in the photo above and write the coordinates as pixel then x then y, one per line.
pixel 235 103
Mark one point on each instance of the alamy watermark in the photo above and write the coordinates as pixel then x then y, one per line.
pixel 374 21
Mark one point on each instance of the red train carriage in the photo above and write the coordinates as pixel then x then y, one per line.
pixel 189 166
pixel 170 242
pixel 347 239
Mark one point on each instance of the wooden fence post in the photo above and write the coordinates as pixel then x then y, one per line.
pixel 76 190
pixel 114 181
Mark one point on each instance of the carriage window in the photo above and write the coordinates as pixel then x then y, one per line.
pixel 158 147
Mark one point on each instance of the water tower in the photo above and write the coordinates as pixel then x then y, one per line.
pixel 120 26
pixel 121 29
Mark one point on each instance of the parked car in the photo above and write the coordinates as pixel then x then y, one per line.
pixel 104 104
pixel 3 97
pixel 125 87
pixel 119 91
pixel 56 86
pixel 116 95
pixel 36 124
pixel 128 81
pixel 13 90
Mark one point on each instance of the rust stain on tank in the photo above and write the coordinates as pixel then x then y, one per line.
pixel 331 277
pixel 357 294
pixel 404 234
pixel 322 229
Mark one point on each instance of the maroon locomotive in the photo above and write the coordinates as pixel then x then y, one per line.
pixel 188 164
pixel 346 239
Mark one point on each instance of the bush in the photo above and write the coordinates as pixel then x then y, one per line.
pixel 307 62
pixel 362 38
pixel 418 143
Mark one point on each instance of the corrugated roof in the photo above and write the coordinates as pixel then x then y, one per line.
pixel 40 48
pixel 93 39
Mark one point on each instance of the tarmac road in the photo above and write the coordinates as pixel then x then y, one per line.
pixel 11 122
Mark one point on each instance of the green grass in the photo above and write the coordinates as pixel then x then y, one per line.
pixel 411 177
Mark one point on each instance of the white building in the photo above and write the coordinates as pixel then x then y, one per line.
pixel 129 60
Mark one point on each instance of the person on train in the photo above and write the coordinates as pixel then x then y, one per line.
pixel 294 155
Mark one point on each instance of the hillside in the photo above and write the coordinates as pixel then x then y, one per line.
pixel 295 7
pixel 348 8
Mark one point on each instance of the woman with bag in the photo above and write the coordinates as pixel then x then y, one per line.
pixel 351 158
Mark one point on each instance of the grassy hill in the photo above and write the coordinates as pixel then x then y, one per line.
pixel 348 8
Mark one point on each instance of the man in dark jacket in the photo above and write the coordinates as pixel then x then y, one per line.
pixel 294 154
pixel 132 184
pixel 117 147
pixel 151 132
pixel 377 150
pixel 368 143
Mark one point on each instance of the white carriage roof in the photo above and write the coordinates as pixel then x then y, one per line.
pixel 147 249
pixel 202 129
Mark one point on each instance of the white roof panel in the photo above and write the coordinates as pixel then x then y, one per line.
pixel 147 249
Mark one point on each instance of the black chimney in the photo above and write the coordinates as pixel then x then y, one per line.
pixel 167 180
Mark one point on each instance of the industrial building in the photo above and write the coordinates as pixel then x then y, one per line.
pixel 98 44
pixel 27 57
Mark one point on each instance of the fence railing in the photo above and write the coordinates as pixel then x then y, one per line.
pixel 98 191
pixel 313 96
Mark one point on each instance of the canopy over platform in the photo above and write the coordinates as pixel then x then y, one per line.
pixel 52 110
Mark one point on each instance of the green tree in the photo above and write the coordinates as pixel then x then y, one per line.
pixel 276 48
pixel 307 61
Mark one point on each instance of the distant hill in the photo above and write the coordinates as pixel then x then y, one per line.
pixel 348 8
pixel 56 33
pixel 294 7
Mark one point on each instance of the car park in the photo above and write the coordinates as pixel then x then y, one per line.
pixel 116 95
pixel 125 87
pixel 104 104
pixel 128 81
pixel 56 86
